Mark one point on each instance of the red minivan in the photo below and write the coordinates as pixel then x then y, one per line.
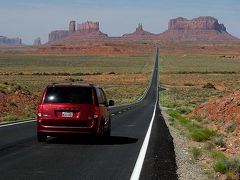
pixel 73 109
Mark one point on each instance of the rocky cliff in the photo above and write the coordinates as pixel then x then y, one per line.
pixel 140 33
pixel 201 28
pixel 10 41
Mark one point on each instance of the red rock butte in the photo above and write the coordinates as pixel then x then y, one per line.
pixel 86 30
pixel 201 29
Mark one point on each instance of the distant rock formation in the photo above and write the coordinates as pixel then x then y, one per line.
pixel 201 23
pixel 139 34
pixel 88 27
pixel 57 35
pixel 72 26
pixel 86 30
pixel 201 28
pixel 180 29
pixel 37 42
pixel 10 41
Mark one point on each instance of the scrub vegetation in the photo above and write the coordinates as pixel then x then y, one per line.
pixel 189 81
pixel 124 79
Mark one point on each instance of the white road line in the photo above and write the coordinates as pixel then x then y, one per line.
pixel 12 124
pixel 139 163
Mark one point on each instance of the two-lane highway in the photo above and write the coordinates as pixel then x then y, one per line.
pixel 22 157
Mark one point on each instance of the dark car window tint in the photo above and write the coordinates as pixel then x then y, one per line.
pixel 99 95
pixel 103 96
pixel 81 95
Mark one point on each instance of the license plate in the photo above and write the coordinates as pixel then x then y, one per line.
pixel 67 114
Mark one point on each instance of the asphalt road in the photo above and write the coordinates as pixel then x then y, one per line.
pixel 22 157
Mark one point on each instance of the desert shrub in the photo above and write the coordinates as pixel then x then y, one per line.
pixel 184 110
pixel 209 86
pixel 231 127
pixel 196 153
pixel 219 140
pixel 234 165
pixel 112 73
pixel 201 135
pixel 226 166
pixel 188 84
pixel 198 118
pixel 230 175
pixel 13 103
pixel 221 165
pixel 172 121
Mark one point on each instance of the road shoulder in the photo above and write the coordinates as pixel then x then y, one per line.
pixel 186 168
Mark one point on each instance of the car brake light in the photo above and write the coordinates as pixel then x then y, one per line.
pixel 96 112
pixel 40 111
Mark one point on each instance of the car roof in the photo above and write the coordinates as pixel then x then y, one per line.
pixel 72 85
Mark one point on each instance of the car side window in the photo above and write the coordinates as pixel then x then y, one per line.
pixel 103 96
pixel 100 97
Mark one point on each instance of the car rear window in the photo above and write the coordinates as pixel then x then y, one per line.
pixel 81 95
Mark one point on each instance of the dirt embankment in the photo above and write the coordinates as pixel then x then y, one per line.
pixel 225 109
pixel 17 104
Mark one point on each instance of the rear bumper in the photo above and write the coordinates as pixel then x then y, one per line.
pixel 60 129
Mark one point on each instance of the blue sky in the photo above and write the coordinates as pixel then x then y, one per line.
pixel 29 19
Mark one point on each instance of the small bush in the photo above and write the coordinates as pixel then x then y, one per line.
pixel 188 84
pixel 13 103
pixel 199 136
pixel 231 127
pixel 172 121
pixel 219 141
pixel 196 153
pixel 226 166
pixel 221 165
pixel 230 175
pixel 184 110
pixel 234 165
pixel 198 118
pixel 209 86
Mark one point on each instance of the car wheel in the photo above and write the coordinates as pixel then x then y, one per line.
pixel 41 137
pixel 107 129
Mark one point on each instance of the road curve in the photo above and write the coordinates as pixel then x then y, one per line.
pixel 22 157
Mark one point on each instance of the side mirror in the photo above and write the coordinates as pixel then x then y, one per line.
pixel 111 103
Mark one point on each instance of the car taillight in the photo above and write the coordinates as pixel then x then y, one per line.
pixel 96 112
pixel 39 111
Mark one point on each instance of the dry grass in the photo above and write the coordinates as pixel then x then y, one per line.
pixel 123 78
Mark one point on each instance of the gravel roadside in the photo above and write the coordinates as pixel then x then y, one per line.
pixel 187 169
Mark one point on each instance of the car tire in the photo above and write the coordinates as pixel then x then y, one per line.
pixel 107 129
pixel 41 137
